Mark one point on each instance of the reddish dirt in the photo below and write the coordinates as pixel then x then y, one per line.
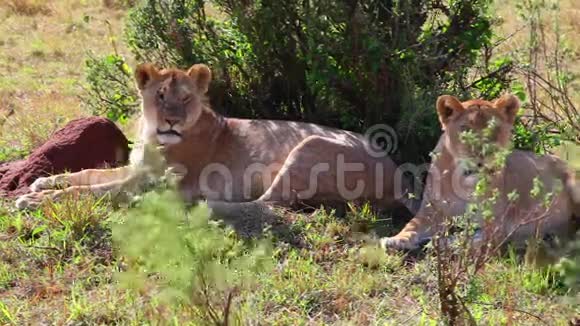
pixel 85 143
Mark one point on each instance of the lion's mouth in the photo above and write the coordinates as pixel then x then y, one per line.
pixel 169 132
pixel 168 137
pixel 469 172
pixel 471 169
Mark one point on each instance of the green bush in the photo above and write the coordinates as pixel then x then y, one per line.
pixel 192 266
pixel 180 34
pixel 341 63
pixel 539 138
pixel 111 91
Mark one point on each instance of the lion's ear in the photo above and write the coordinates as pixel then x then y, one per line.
pixel 145 73
pixel 447 108
pixel 202 75
pixel 508 104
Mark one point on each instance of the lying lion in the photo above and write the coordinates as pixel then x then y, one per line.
pixel 451 181
pixel 227 159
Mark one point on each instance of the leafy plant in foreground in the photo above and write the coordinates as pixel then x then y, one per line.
pixel 468 242
pixel 195 266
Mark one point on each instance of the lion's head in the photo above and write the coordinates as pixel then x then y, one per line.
pixel 173 99
pixel 487 123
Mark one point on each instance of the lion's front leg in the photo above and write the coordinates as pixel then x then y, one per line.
pixel 35 199
pixel 82 178
pixel 414 234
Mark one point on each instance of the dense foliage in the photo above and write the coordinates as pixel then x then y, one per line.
pixel 344 63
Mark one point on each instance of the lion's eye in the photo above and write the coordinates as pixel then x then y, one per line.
pixel 160 96
pixel 187 99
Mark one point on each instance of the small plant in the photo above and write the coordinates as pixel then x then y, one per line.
pixel 7 154
pixel 111 91
pixel 74 221
pixel 548 79
pixel 540 138
pixel 5 315
pixel 199 269
pixel 469 241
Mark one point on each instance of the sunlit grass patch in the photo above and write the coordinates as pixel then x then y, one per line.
pixel 59 267
pixel 27 7
pixel 50 253
pixel 119 4
pixel 47 253
pixel 35 121
pixel 570 152
pixel 42 59
pixel 509 290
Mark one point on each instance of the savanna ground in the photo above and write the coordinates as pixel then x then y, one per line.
pixel 58 265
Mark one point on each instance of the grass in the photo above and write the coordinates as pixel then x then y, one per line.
pixel 567 17
pixel 42 59
pixel 59 265
pixel 63 268
pixel 27 7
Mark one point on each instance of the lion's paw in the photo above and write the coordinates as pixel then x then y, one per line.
pixel 41 184
pixel 30 201
pixel 45 183
pixel 398 243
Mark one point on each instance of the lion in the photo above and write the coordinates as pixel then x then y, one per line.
pixel 228 159
pixel 451 181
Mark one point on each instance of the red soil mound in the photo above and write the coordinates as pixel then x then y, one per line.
pixel 85 143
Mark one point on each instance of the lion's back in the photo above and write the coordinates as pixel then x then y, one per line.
pixel 272 141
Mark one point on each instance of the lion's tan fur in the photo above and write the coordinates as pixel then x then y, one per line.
pixel 194 138
pixel 444 196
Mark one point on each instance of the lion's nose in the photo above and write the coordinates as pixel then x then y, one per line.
pixel 171 122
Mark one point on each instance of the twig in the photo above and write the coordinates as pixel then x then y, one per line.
pixel 466 311
pixel 503 39
pixel 416 313
pixel 111 37
pixel 492 74
pixel 46 248
pixel 211 312
pixel 514 309
pixel 227 307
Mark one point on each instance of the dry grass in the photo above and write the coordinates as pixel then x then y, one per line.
pixel 119 4
pixel 38 120
pixel 27 7
pixel 558 36
pixel 42 61
pixel 568 19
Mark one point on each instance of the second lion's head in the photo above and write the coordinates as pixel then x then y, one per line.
pixel 476 130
